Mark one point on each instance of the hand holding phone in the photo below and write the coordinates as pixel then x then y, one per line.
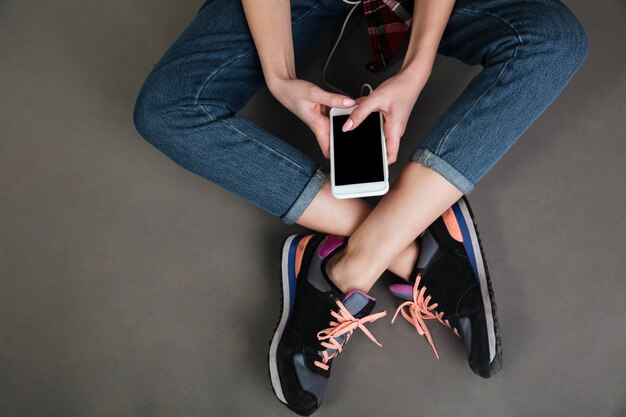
pixel 395 99
pixel 311 104
pixel 358 157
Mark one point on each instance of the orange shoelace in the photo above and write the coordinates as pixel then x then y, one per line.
pixel 419 310
pixel 346 324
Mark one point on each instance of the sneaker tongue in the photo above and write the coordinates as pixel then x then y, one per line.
pixel 428 250
pixel 358 303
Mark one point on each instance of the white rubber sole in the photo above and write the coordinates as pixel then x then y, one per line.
pixel 285 309
pixel 482 276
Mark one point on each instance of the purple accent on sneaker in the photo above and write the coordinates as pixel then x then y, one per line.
pixel 404 291
pixel 351 293
pixel 329 244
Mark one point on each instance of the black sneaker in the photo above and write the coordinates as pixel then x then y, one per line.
pixel 451 284
pixel 316 321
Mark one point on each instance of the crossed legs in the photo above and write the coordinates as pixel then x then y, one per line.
pixel 382 237
pixel 343 217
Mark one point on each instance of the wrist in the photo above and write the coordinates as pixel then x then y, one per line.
pixel 419 60
pixel 274 80
pixel 415 74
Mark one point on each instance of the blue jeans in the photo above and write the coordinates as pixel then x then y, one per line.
pixel 528 51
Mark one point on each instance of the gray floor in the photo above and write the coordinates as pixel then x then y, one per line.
pixel 131 287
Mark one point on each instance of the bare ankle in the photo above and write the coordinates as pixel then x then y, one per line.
pixel 346 274
pixel 403 264
pixel 334 274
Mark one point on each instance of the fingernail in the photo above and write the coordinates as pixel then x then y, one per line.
pixel 348 102
pixel 347 125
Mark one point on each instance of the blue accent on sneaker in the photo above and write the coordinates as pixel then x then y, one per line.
pixel 292 270
pixel 467 238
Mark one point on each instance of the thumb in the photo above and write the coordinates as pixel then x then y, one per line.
pixel 321 130
pixel 359 114
pixel 393 132
pixel 332 99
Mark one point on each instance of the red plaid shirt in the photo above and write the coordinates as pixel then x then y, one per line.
pixel 388 23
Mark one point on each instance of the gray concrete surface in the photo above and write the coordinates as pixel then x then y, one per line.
pixel 131 287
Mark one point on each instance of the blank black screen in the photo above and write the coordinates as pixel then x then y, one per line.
pixel 358 152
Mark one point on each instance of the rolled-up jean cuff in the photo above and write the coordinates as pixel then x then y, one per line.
pixel 429 159
pixel 306 196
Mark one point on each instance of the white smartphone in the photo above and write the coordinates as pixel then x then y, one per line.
pixel 358 157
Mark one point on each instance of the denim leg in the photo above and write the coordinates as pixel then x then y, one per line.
pixel 529 50
pixel 186 107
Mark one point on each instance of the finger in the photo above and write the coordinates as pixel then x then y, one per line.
pixel 393 144
pixel 332 99
pixel 323 142
pixel 359 114
pixel 321 130
pixel 393 133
